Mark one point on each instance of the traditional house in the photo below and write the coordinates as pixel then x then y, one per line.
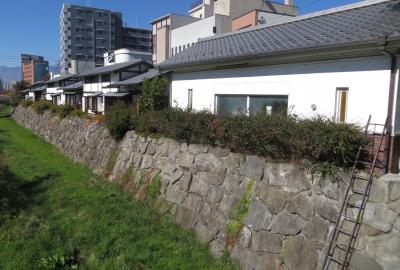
pixel 35 91
pixel 98 96
pixel 341 63
pixel 54 91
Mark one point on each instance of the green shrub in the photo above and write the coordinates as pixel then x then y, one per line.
pixel 41 106
pixel 63 110
pixel 154 96
pixel 26 103
pixel 118 120
pixel 79 113
pixel 320 143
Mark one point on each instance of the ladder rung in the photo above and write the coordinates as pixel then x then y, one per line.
pixel 361 177
pixel 343 247
pixel 346 233
pixel 334 260
pixel 354 205
pixel 372 150
pixel 350 219
pixel 358 192
pixel 367 163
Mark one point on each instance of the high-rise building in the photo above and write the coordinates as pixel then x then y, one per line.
pixel 1 85
pixel 86 33
pixel 34 68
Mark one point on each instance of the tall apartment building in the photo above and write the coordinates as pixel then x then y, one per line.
pixel 174 33
pixel 1 85
pixel 86 33
pixel 34 68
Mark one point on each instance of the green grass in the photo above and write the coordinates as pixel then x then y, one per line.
pixel 59 210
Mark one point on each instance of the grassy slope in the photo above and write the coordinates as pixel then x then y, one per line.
pixel 63 206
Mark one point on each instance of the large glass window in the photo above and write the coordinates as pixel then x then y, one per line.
pixel 267 104
pixel 251 105
pixel 231 104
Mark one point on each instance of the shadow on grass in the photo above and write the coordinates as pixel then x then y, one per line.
pixel 18 194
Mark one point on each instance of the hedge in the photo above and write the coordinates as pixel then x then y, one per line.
pixel 320 142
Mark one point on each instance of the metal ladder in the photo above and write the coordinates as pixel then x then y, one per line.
pixel 348 224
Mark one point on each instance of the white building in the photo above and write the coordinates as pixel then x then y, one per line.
pixel 333 63
pixel 55 92
pixel 119 65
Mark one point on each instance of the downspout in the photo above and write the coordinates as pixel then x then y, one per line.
pixel 391 155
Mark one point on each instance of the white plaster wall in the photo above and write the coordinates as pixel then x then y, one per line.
pixel 191 33
pixel 89 88
pixel 305 84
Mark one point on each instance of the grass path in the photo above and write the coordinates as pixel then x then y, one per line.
pixel 52 207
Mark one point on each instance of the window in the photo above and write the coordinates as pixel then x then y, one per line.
pixel 268 104
pixel 342 94
pixel 105 78
pixel 251 105
pixel 231 104
pixel 214 29
pixel 93 79
pixel 190 99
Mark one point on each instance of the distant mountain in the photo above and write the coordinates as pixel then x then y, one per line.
pixel 9 74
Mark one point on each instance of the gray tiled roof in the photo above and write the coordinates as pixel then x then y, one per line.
pixel 150 74
pixel 362 22
pixel 113 68
pixel 60 78
pixel 73 86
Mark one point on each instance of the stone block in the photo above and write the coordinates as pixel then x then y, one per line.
pixel 147 161
pixel 316 229
pixel 175 195
pixel 245 237
pixel 266 241
pixel 198 148
pixel 185 217
pixel 204 233
pixel 254 167
pixel 218 246
pixel 193 202
pixel 185 160
pixel 185 181
pixel 228 203
pixel 326 208
pixel 274 198
pixel 232 182
pixel 199 185
pixel 386 249
pixel 151 149
pixel 275 175
pixel 209 163
pixel 214 194
pixel 286 223
pixel 300 254
pixel 258 217
pixel 395 191
pixel 219 151
pixel 396 224
pixel 302 205
pixel 379 191
pixel 296 180
pixel 363 262
pixel 379 216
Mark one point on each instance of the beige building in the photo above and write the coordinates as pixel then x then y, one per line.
pixel 207 18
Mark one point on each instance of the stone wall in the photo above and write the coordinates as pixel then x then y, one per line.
pixel 290 215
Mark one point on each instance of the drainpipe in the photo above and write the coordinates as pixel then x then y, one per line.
pixel 392 155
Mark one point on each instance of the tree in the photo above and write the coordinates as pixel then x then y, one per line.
pixel 154 95
pixel 19 86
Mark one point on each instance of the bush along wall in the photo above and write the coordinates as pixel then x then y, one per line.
pixel 264 214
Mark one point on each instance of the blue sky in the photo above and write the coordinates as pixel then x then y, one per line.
pixel 32 26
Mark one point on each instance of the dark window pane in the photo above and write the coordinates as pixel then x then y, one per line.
pixel 268 104
pixel 231 104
